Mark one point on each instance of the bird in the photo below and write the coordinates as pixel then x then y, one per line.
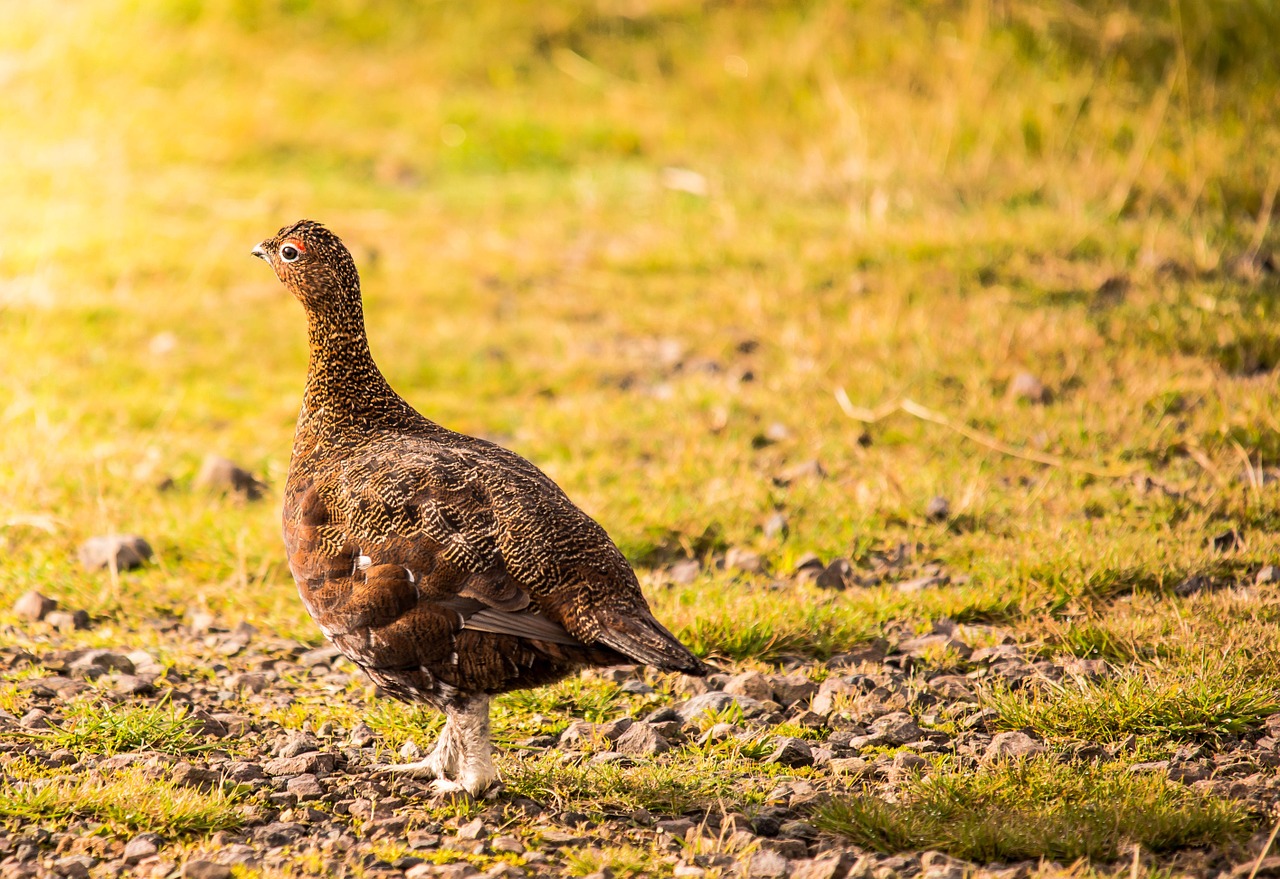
pixel 446 567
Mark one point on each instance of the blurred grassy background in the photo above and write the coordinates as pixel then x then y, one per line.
pixel 627 239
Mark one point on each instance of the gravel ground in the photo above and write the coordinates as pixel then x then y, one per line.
pixel 313 801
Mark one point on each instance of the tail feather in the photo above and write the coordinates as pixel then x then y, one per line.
pixel 644 639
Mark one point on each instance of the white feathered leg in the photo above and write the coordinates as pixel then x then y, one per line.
pixel 463 755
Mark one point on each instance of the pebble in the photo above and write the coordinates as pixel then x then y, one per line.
pixel 124 551
pixel 141 847
pixel 1028 387
pixel 32 607
pixel 305 788
pixel 224 475
pixel 744 560
pixel 1012 745
pixel 938 509
pixel 205 870
pixel 715 702
pixel 641 740
pixel 68 621
pixel 791 751
pixel 837 575
pixel 766 864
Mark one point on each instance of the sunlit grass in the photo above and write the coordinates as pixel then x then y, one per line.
pixel 1038 809
pixel 128 800
pixel 93 727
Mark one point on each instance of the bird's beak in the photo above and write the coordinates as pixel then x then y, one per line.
pixel 259 252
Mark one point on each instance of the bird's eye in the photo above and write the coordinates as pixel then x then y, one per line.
pixel 289 253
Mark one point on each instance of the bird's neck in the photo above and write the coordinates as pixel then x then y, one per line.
pixel 345 389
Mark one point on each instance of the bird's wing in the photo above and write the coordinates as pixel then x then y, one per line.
pixel 427 509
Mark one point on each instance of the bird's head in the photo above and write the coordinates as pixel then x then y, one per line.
pixel 314 264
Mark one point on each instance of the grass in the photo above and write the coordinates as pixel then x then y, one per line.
pixel 129 800
pixel 1038 809
pixel 675 253
pixel 92 727
pixel 1186 703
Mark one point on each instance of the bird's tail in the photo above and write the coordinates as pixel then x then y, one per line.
pixel 644 639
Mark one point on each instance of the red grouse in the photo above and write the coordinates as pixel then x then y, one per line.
pixel 447 567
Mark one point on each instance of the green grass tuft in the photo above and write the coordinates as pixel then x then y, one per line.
pixel 91 727
pixel 128 800
pixel 1189 703
pixel 1036 809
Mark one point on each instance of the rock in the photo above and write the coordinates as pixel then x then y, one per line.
pixel 314 763
pixel 473 829
pixel 1227 540
pixel 68 621
pixel 305 788
pixel 95 663
pixel 221 474
pixel 508 844
pixel 1268 574
pixel 938 509
pixel 205 870
pixel 927 644
pixel 186 775
pixel 837 575
pixel 894 729
pixel 775 525
pixel 953 688
pixel 715 702
pixel 751 684
pixel 745 560
pixel 33 607
pixel 833 691
pixel 73 866
pixel 1026 386
pixel 121 551
pixel 362 736
pixel 791 751
pixel 919 584
pixel 834 865
pixel 141 847
pixel 684 572
pixel 641 740
pixel 791 689
pixel 278 833
pixel 131 685
pixel 766 864
pixel 1014 745
pixel 808 567
pixel 299 743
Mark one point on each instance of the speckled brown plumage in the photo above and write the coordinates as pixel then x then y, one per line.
pixel 447 567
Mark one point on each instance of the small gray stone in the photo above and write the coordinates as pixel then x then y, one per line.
pixel 299 743
pixel 745 560
pixel 304 787
pixel 1026 386
pixel 1268 574
pixel 362 736
pixel 222 474
pixel 123 551
pixel 314 764
pixel 205 870
pixel 473 829
pixel 938 509
pixel 775 525
pixel 186 775
pixel 717 701
pixel 895 729
pixel 793 688
pixel 68 621
pixel 95 663
pixel 141 847
pixel 766 864
pixel 791 751
pixel 74 866
pixel 33 607
pixel 837 575
pixel 833 865
pixel 684 572
pixel 751 684
pixel 641 740
pixel 131 685
pixel 1014 745
pixel 508 844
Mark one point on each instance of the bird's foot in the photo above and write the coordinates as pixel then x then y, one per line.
pixel 428 768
